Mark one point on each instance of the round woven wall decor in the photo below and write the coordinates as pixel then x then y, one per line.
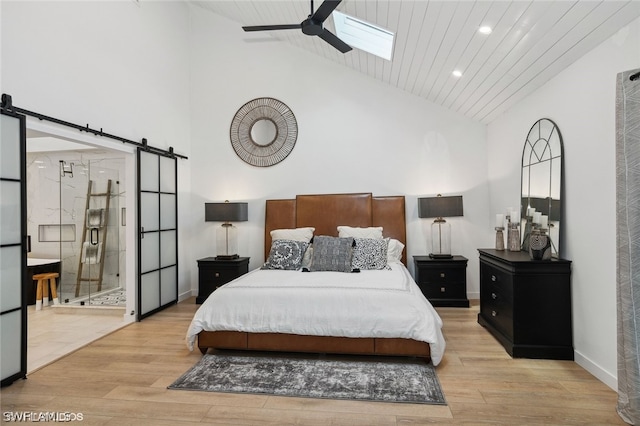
pixel 263 132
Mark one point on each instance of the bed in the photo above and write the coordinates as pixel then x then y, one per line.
pixel 373 312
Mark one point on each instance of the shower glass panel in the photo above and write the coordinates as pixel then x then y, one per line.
pixel 89 201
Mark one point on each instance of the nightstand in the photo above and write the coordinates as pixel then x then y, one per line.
pixel 213 273
pixel 443 281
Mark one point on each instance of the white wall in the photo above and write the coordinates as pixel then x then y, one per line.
pixel 118 66
pixel 355 135
pixel 581 101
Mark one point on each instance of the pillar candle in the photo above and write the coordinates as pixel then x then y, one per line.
pixel 536 217
pixel 544 222
pixel 499 220
pixel 530 211
pixel 515 216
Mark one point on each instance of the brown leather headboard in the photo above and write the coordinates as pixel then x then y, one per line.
pixel 326 212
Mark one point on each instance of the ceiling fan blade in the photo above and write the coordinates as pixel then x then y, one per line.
pixel 325 10
pixel 333 40
pixel 272 27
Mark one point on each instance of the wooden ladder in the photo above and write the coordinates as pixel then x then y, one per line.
pixel 103 227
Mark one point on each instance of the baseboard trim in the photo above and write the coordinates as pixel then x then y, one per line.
pixel 601 374
pixel 184 296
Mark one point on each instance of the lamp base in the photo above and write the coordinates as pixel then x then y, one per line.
pixel 227 257
pixel 440 256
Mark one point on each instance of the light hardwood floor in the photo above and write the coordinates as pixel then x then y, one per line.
pixel 121 379
pixel 52 334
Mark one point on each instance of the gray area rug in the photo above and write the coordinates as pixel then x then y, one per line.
pixel 389 380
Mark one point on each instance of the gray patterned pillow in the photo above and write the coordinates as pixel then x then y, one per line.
pixel 331 254
pixel 286 255
pixel 370 253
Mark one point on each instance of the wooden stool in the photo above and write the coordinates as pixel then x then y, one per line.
pixel 42 289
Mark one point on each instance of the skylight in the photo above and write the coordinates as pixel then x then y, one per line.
pixel 363 35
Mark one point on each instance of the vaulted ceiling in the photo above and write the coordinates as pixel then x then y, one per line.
pixel 531 42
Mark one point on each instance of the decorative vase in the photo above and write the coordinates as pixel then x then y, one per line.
pixel 513 236
pixel 539 245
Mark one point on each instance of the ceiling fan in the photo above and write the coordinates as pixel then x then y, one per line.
pixel 312 25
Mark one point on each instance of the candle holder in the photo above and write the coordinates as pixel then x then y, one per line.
pixel 513 237
pixel 499 239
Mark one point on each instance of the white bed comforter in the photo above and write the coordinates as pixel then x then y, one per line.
pixel 385 303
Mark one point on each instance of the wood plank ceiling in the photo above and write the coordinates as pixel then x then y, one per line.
pixel 531 42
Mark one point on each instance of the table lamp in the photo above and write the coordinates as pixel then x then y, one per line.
pixel 440 207
pixel 227 234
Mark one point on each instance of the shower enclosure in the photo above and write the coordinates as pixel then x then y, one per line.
pixel 90 232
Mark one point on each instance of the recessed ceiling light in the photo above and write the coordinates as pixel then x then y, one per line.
pixel 485 30
pixel 457 73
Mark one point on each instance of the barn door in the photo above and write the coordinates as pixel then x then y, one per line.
pixel 158 232
pixel 13 248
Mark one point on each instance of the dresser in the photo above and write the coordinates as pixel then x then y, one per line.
pixel 213 273
pixel 526 304
pixel 443 281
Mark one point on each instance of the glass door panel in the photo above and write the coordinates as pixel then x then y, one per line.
pixel 13 250
pixel 89 202
pixel 157 237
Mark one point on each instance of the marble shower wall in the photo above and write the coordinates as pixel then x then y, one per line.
pixel 49 220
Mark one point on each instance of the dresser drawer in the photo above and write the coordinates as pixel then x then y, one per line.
pixel 441 275
pixel 217 276
pixel 452 290
pixel 494 276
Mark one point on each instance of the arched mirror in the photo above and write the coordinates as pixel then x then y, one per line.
pixel 263 132
pixel 541 200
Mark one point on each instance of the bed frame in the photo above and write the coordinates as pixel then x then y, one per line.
pixel 325 213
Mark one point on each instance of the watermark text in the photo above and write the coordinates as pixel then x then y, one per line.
pixel 42 416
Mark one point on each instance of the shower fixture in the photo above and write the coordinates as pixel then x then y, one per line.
pixel 66 169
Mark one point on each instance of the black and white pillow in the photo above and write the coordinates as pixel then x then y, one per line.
pixel 370 253
pixel 286 255
pixel 331 254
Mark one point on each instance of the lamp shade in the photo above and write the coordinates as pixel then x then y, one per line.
pixel 225 212
pixel 440 206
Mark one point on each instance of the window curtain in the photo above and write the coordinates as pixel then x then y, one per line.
pixel 628 244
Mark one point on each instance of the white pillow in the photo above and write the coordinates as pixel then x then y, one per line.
pixel 348 231
pixel 394 251
pixel 296 234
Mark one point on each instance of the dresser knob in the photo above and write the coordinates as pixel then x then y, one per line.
pixel 217 274
pixel 493 278
pixel 494 314
pixel 443 289
pixel 494 296
pixel 442 274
